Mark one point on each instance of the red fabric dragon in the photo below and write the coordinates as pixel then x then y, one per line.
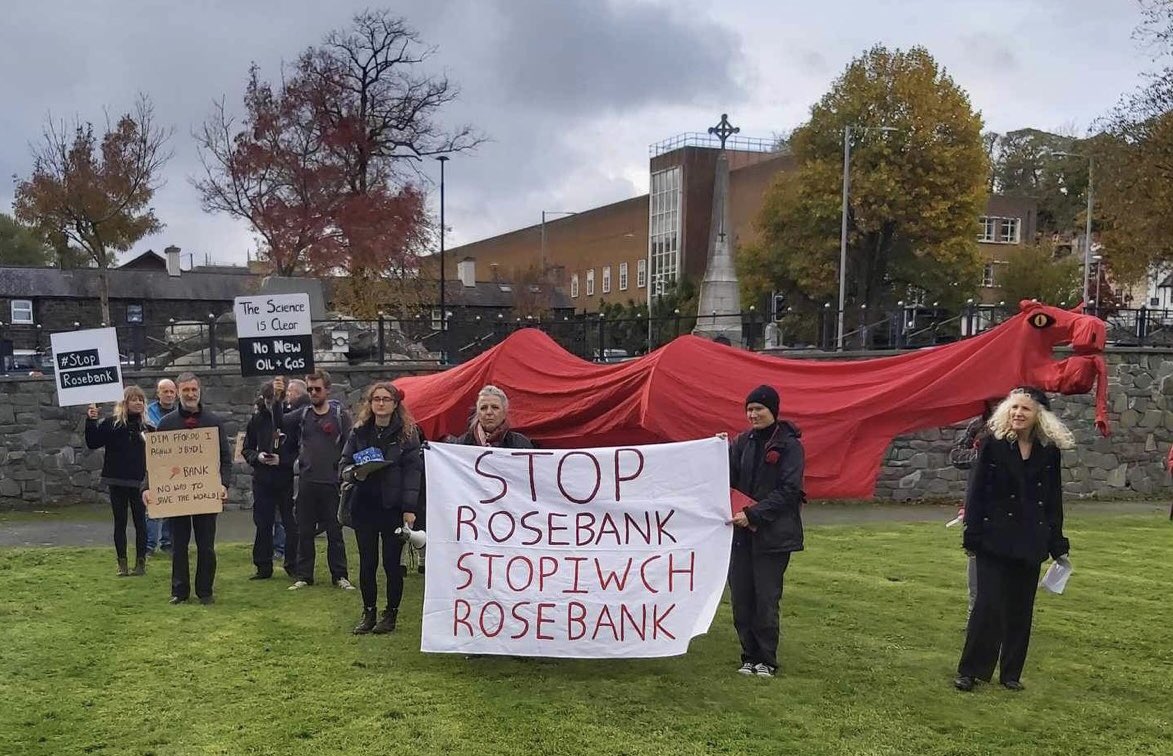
pixel 849 410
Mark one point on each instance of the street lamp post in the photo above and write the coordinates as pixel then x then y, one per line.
pixel 1087 231
pixel 843 227
pixel 443 320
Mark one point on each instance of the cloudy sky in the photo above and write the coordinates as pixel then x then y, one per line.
pixel 570 93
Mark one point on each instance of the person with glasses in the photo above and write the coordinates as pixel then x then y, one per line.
pixel 318 434
pixel 382 459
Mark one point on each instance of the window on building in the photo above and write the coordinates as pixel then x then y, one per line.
pixel 988 275
pixel 22 312
pixel 574 286
pixel 641 274
pixel 591 282
pixel 1010 228
pixel 134 313
pixel 664 228
pixel 436 319
pixel 987 232
pixel 606 279
pixel 622 276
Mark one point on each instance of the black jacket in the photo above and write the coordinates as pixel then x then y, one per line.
pixel 263 433
pixel 1014 507
pixel 125 462
pixel 769 470
pixel 394 488
pixel 511 440
pixel 181 419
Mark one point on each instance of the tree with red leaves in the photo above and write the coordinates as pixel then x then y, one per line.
pixel 322 165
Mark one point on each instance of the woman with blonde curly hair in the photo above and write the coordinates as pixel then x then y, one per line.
pixel 1013 520
pixel 124 468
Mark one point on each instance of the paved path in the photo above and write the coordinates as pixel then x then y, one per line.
pixel 93 527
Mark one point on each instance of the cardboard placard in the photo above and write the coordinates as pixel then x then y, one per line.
pixel 274 334
pixel 183 472
pixel 238 455
pixel 86 367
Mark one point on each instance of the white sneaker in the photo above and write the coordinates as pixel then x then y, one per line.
pixel 745 669
pixel 299 585
pixel 763 670
pixel 344 584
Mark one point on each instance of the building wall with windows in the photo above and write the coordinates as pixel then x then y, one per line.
pixel 1008 224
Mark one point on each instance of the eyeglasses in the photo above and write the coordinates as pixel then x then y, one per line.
pixel 381 399
pixel 315 389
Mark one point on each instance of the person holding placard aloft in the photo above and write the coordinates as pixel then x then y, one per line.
pixel 1013 520
pixel 766 465
pixel 124 468
pixel 191 414
pixel 382 461
pixel 271 459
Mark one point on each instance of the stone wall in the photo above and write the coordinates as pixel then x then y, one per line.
pixel 44 462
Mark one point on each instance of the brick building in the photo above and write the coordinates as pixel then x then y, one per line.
pixel 626 250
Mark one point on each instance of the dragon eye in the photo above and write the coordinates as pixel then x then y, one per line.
pixel 1041 320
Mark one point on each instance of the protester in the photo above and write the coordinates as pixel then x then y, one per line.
pixel 490 424
pixel 191 414
pixel 159 531
pixel 296 396
pixel 1013 519
pixel 267 453
pixel 384 498
pixel 962 456
pixel 124 467
pixel 766 465
pixel 318 433
pixel 1169 467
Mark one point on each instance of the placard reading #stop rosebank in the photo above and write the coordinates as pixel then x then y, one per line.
pixel 604 553
pixel 87 367
pixel 274 334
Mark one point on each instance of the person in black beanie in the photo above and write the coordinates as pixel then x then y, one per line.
pixel 766 465
pixel 191 414
pixel 266 451
pixel 123 469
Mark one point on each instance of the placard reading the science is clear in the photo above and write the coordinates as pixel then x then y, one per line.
pixel 86 367
pixel 274 334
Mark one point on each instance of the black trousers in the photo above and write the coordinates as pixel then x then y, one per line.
pixel 182 528
pixel 369 535
pixel 1001 619
pixel 269 499
pixel 123 499
pixel 755 586
pixel 317 507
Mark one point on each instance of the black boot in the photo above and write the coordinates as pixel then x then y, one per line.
pixel 123 570
pixel 140 567
pixel 387 622
pixel 368 621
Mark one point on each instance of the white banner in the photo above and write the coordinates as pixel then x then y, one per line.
pixel 587 553
pixel 274 334
pixel 86 366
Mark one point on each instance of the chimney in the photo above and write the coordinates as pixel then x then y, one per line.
pixel 172 254
pixel 467 270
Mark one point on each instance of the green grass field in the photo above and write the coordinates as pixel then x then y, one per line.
pixel 872 621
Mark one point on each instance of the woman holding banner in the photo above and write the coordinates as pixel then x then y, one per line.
pixel 1013 519
pixel 123 470
pixel 766 466
pixel 382 461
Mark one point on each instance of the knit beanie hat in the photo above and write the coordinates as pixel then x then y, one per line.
pixel 765 396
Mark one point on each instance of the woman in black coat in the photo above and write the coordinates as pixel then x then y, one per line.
pixel 1013 520
pixel 490 423
pixel 124 467
pixel 766 464
pixel 382 460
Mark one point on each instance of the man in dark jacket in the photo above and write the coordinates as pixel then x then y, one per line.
pixel 766 465
pixel 272 462
pixel 191 414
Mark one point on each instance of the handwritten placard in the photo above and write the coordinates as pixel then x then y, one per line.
pixel 183 472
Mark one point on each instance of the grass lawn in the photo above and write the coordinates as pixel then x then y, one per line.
pixel 872 629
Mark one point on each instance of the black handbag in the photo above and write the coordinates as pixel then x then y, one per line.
pixel 346 504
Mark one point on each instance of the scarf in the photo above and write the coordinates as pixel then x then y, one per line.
pixel 490 439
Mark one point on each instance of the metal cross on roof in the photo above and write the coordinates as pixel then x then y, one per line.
pixel 724 129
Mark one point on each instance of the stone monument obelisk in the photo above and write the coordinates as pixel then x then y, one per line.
pixel 719 289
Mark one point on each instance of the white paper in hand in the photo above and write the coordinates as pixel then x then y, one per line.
pixel 1055 579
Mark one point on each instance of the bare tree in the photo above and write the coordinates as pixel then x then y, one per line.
pixel 93 193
